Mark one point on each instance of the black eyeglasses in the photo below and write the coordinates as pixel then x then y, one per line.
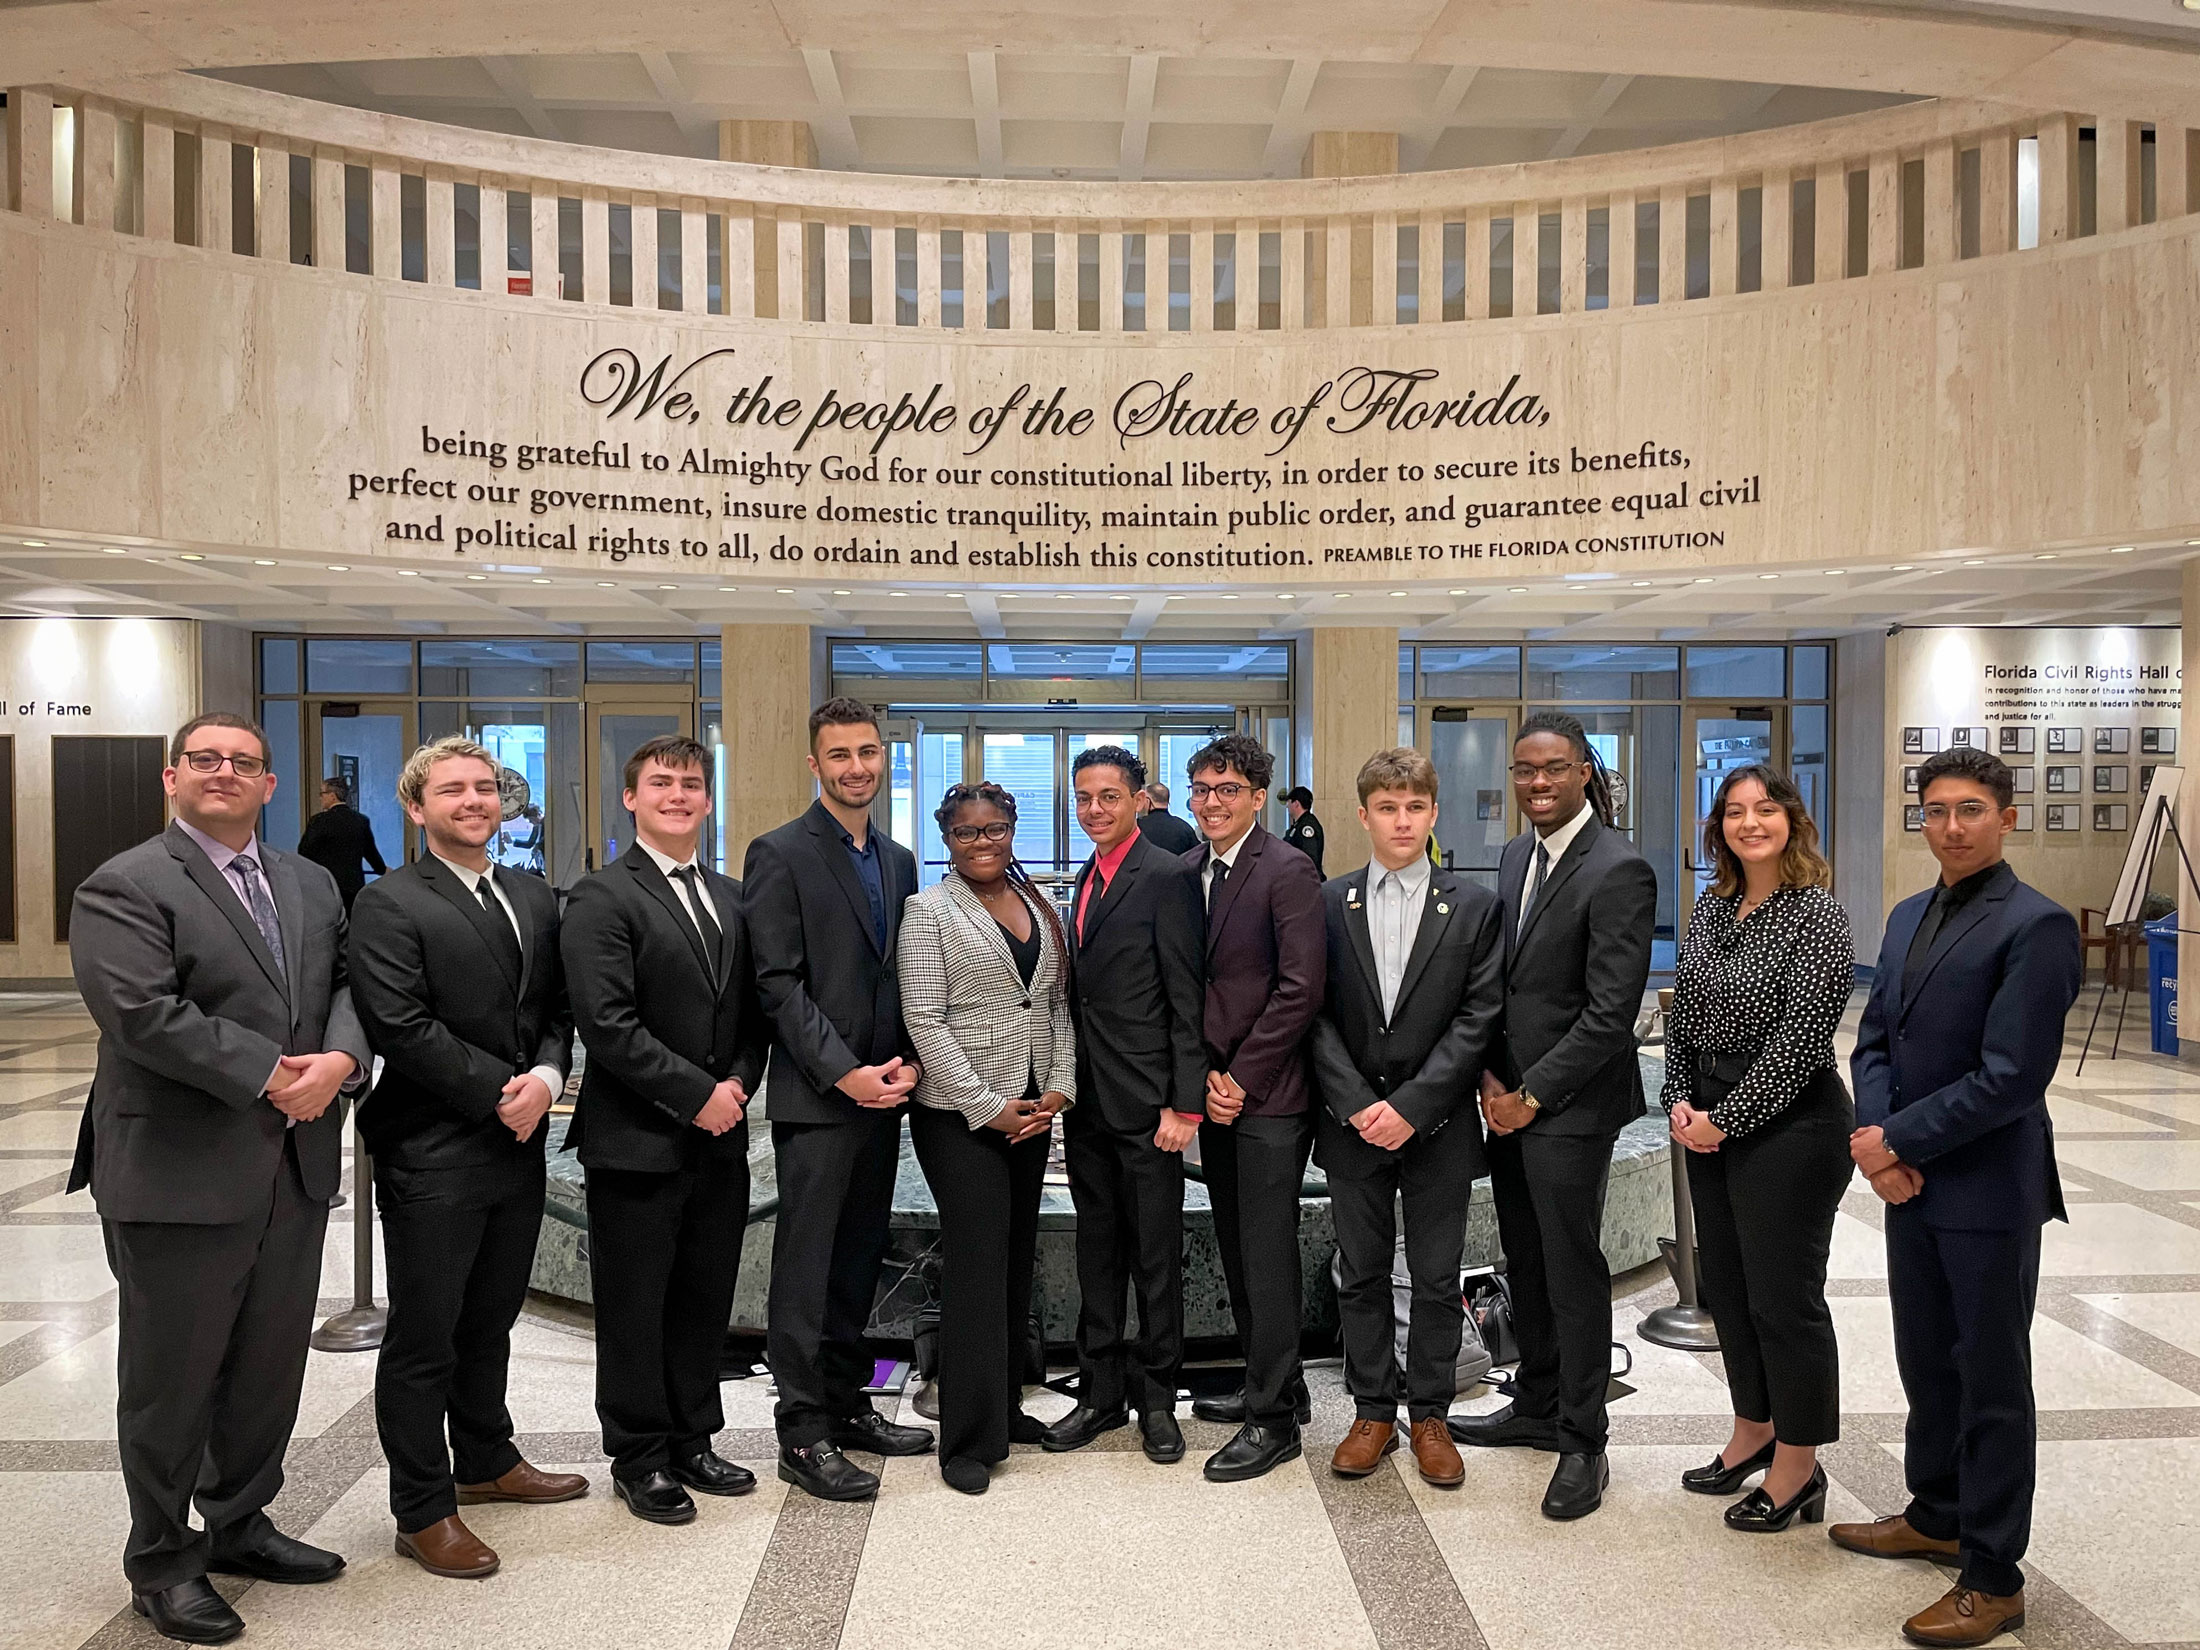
pixel 965 836
pixel 244 767
pixel 1228 791
pixel 1524 772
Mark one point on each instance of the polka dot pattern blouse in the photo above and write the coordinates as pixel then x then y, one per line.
pixel 1772 985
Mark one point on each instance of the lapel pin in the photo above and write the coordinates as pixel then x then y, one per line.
pixel 1442 909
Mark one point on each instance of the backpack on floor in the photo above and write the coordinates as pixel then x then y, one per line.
pixel 1474 1358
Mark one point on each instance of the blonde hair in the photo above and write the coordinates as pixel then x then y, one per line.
pixel 1401 768
pixel 413 781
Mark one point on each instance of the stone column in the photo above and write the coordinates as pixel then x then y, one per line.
pixel 766 698
pixel 2188 799
pixel 765 143
pixel 1355 714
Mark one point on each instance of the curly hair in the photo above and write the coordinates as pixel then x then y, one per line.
pixel 1110 756
pixel 1234 750
pixel 963 795
pixel 1569 728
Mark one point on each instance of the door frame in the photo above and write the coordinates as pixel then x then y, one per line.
pixel 312 709
pixel 1693 712
pixel 1473 710
pixel 620 699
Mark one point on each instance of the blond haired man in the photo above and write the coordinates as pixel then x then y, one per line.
pixel 454 966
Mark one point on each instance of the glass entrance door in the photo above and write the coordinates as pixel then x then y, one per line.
pixel 1472 747
pixel 365 744
pixel 615 727
pixel 1723 738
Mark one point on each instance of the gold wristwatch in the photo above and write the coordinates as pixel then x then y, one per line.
pixel 1530 1101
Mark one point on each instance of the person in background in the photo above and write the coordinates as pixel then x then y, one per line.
pixel 340 839
pixel 455 970
pixel 984 991
pixel 1138 942
pixel 1304 831
pixel 1416 985
pixel 1753 1094
pixel 214 967
pixel 1959 1040
pixel 1580 908
pixel 1266 960
pixel 826 892
pixel 1162 828
pixel 658 959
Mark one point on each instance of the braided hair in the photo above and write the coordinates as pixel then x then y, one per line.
pixel 1569 728
pixel 960 796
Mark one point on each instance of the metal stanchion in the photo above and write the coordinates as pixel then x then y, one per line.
pixel 1684 1325
pixel 358 1329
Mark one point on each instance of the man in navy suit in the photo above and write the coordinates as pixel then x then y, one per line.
pixel 1958 1044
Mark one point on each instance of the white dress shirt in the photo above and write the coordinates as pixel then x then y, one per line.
pixel 667 864
pixel 1207 871
pixel 1395 900
pixel 471 880
pixel 1556 845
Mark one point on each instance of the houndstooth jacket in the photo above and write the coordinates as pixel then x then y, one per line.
pixel 979 1034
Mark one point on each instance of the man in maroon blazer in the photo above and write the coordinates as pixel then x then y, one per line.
pixel 1267 962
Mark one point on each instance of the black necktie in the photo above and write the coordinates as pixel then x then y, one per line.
pixel 506 938
pixel 691 877
pixel 1214 886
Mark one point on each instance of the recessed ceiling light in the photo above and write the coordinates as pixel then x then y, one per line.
pixel 837 592
pixel 1976 561
pixel 606 584
pixel 1397 595
pixel 34 544
pixel 338 567
pixel 1063 596
pixel 257 561
pixel 2126 549
pixel 1707 581
pixel 1768 575
pixel 1285 596
pixel 408 573
pixel 1517 590
pixel 1904 567
pixel 117 550
pixel 1642 584
pixel 1458 592
pixel 1835 572
pixel 897 592
pixel 538 581
pixel 478 578
pixel 186 556
pixel 782 592
pixel 729 588
pixel 668 587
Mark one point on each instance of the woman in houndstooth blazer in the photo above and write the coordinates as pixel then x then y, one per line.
pixel 984 993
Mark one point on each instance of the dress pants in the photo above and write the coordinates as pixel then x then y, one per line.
pixel 1254 1170
pixel 1549 1191
pixel 460 1244
pixel 1433 1175
pixel 663 1253
pixel 836 1193
pixel 1963 1342
pixel 212 1355
pixel 1129 1195
pixel 1765 1203
pixel 988 1196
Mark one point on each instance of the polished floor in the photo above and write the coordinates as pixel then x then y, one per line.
pixel 1103 1549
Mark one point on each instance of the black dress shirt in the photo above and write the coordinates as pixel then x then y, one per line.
pixel 1948 899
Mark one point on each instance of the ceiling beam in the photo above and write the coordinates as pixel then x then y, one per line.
pixel 1286 149
pixel 1608 92
pixel 985 107
pixel 700 131
pixel 511 80
pixel 834 131
pixel 1416 143
pixel 1145 69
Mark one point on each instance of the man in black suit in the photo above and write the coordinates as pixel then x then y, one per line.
pixel 825 896
pixel 1580 905
pixel 455 970
pixel 1410 1021
pixel 1136 937
pixel 1162 828
pixel 212 1142
pixel 1959 1040
pixel 1266 960
pixel 658 961
pixel 340 839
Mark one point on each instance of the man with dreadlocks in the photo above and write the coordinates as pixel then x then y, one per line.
pixel 1579 907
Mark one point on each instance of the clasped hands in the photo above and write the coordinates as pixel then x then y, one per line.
pixel 1894 1180
pixel 313 1080
pixel 525 1104
pixel 1693 1128
pixel 1381 1125
pixel 722 1111
pixel 1503 1111
pixel 1020 1120
pixel 881 1087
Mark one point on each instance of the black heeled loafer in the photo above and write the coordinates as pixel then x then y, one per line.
pixel 1755 1514
pixel 1715 1477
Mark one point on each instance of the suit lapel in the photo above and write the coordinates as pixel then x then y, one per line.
pixel 825 837
pixel 1359 936
pixel 989 931
pixel 290 917
pixel 719 900
pixel 1950 935
pixel 1512 882
pixel 439 877
pixel 1240 873
pixel 227 901
pixel 661 890
pixel 1110 894
pixel 1435 918
pixel 1568 863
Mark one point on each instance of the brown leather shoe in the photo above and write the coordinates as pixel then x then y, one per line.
pixel 1966 1616
pixel 527 1485
pixel 1363 1448
pixel 1436 1455
pixel 1892 1537
pixel 448 1549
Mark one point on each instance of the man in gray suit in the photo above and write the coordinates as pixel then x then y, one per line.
pixel 214 967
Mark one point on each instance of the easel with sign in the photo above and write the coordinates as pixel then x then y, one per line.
pixel 2157 818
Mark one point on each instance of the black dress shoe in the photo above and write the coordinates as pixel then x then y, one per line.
pixel 274 1556
pixel 1253 1453
pixel 657 1497
pixel 191 1611
pixel 875 1434
pixel 1757 1514
pixel 825 1473
pixel 1502 1429
pixel 1715 1477
pixel 1080 1427
pixel 1229 1408
pixel 1577 1486
pixel 1026 1429
pixel 713 1474
pixel 1164 1439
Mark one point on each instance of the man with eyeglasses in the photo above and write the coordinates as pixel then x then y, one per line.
pixel 1959 1040
pixel 212 1142
pixel 1267 964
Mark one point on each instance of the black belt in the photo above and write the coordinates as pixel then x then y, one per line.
pixel 1723 1068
